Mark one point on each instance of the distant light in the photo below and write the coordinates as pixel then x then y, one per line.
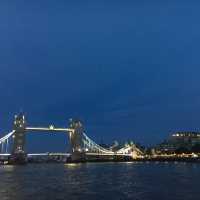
pixel 51 127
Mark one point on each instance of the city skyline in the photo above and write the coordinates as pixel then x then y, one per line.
pixel 125 74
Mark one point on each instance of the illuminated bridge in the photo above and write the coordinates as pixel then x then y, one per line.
pixel 82 148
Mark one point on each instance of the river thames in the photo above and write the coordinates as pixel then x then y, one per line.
pixel 138 181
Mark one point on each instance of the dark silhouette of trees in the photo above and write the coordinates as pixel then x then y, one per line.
pixel 181 150
pixel 196 148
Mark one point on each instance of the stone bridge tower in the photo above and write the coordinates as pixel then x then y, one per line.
pixel 76 140
pixel 18 154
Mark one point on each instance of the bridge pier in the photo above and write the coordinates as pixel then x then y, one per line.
pixel 78 157
pixel 18 154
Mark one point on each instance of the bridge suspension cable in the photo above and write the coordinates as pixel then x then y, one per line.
pixel 4 142
pixel 92 146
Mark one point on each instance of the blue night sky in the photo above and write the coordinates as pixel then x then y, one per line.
pixel 127 69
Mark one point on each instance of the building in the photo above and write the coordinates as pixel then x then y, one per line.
pixel 179 140
pixel 189 138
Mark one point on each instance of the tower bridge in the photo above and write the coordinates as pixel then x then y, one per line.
pixel 82 148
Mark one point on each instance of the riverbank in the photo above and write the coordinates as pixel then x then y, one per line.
pixel 149 159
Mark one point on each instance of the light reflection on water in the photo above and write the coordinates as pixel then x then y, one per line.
pixel 145 181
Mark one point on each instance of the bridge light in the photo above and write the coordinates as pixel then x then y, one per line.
pixel 51 127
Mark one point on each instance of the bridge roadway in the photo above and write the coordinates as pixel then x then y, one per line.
pixel 68 154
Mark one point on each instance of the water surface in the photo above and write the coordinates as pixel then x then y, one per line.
pixel 142 181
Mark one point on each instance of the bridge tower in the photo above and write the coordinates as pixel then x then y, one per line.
pixel 76 141
pixel 18 155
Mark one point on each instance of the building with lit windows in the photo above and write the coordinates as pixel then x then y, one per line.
pixel 179 140
pixel 189 138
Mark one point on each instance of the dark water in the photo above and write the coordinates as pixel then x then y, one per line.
pixel 144 181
